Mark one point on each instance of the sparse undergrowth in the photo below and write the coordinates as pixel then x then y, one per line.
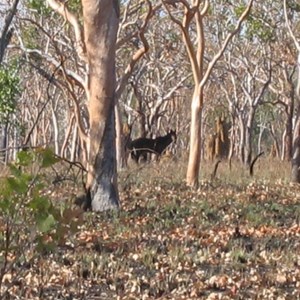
pixel 225 240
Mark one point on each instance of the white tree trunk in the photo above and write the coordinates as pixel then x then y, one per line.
pixel 195 139
pixel 55 131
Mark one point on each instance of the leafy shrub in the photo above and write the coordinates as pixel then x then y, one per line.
pixel 30 224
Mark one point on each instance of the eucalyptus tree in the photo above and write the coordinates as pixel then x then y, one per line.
pixel 190 18
pixel 158 80
pixel 261 40
pixel 250 74
pixel 57 42
pixel 293 14
pixel 272 32
pixel 9 89
pixel 53 80
pixel 132 46
pixel 7 30
pixel 9 81
pixel 284 69
pixel 67 58
pixel 283 89
pixel 96 47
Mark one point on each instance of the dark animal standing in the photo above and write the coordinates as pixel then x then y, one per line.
pixel 142 146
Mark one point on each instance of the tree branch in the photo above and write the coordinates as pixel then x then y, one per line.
pixel 6 34
pixel 297 46
pixel 140 52
pixel 289 27
pixel 61 9
pixel 225 44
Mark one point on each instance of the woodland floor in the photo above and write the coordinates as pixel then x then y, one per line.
pixel 235 237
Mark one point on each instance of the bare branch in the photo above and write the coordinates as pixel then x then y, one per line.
pixel 140 52
pixel 289 27
pixel 176 87
pixel 72 75
pixel 66 84
pixel 175 20
pixel 204 10
pixel 61 9
pixel 225 44
pixel 297 46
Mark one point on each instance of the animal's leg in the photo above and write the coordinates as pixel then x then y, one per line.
pixel 135 155
pixel 143 154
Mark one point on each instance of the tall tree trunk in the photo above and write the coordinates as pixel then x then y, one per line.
pixel 232 138
pixel 142 118
pixel 261 133
pixel 120 140
pixel 3 141
pixel 275 142
pixel 74 145
pixel 64 147
pixel 101 18
pixel 248 137
pixel 288 140
pixel 193 169
pixel 295 176
pixel 55 131
pixel 242 140
pixel 5 37
pixel 6 32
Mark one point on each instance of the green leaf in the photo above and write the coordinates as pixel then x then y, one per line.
pixel 48 158
pixel 25 158
pixel 5 204
pixel 5 188
pixel 9 88
pixel 46 224
pixel 19 185
pixel 39 204
pixel 39 6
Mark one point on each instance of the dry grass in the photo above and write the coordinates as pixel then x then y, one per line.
pixel 174 170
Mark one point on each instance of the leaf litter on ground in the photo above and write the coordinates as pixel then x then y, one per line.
pixel 222 241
